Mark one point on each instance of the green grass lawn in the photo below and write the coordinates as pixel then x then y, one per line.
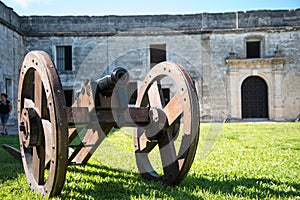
pixel 233 161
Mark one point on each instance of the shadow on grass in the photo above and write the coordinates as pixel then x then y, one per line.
pixel 256 188
pixel 118 184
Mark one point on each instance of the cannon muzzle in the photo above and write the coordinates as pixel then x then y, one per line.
pixel 118 78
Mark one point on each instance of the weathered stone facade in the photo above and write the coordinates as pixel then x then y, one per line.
pixel 211 46
pixel 11 53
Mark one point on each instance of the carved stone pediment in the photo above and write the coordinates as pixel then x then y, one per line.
pixel 256 62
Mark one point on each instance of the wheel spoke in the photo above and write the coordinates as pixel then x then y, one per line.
pixel 38 93
pixel 28 103
pixel 173 109
pixel 168 153
pixel 38 164
pixel 155 96
pixel 146 145
pixel 47 127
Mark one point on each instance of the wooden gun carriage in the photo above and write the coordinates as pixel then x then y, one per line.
pixel 48 129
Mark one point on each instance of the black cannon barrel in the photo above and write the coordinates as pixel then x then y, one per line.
pixel 118 78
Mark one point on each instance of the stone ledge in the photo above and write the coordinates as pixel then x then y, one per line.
pixel 254 62
pixel 77 33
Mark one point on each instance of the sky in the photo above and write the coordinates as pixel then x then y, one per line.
pixel 142 7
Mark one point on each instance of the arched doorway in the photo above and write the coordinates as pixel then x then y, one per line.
pixel 254 98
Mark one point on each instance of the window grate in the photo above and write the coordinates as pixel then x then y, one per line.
pixel 64 58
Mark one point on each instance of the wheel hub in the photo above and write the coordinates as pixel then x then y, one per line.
pixel 30 127
pixel 158 122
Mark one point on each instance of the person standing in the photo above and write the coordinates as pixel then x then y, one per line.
pixel 5 110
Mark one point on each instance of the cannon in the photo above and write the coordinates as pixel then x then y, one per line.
pixel 49 130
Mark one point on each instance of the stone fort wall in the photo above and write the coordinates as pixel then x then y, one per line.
pixel 11 54
pixel 200 42
pixel 109 25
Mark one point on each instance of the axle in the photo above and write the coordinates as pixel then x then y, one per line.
pixel 132 116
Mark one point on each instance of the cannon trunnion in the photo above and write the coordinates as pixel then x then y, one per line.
pixel 48 129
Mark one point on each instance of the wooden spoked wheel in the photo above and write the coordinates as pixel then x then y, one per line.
pixel 42 120
pixel 175 125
